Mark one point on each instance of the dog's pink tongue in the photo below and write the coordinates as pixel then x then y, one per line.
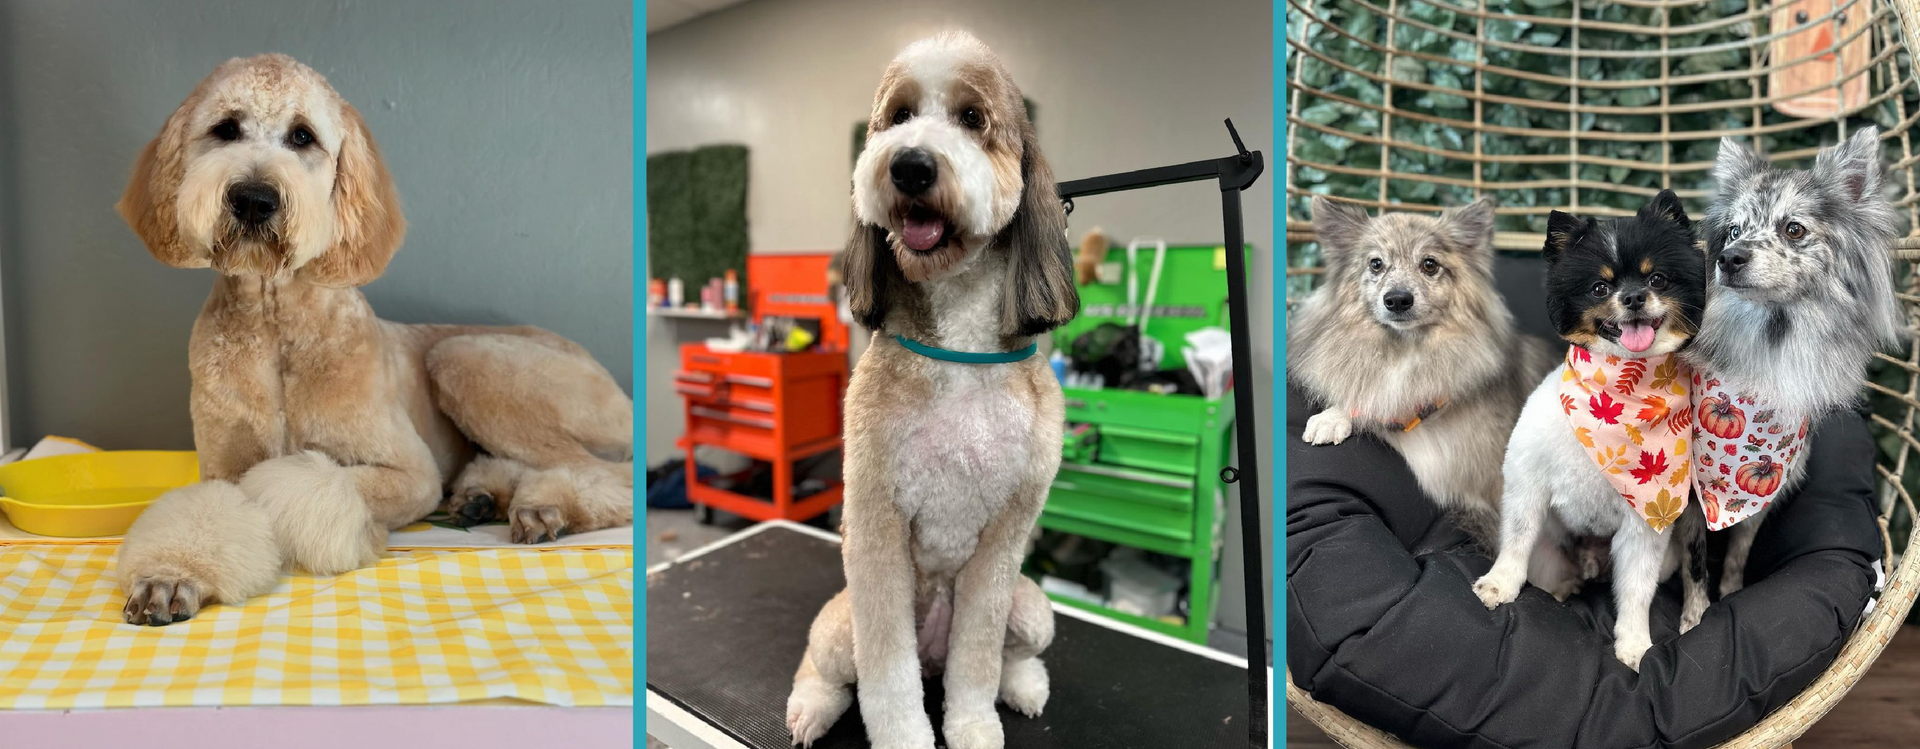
pixel 1637 337
pixel 922 234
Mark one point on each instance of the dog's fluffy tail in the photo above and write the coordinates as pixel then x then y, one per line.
pixel 320 520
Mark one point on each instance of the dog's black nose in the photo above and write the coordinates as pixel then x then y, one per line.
pixel 1633 300
pixel 1399 300
pixel 913 171
pixel 1732 259
pixel 253 203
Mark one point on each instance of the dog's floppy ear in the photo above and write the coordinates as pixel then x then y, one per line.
pixel 1734 164
pixel 1563 229
pixel 872 275
pixel 1338 226
pixel 1666 205
pixel 148 205
pixel 1040 294
pixel 367 224
pixel 1854 165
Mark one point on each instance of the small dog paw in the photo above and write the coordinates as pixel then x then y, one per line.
pixel 532 524
pixel 1731 584
pixel 472 508
pixel 1630 650
pixel 157 601
pixel 984 733
pixel 1024 687
pixel 812 709
pixel 1492 593
pixel 1327 428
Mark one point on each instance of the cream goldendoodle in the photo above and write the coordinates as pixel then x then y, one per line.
pixel 319 426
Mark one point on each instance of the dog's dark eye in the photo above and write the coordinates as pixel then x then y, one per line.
pixel 1601 289
pixel 1375 265
pixel 301 137
pixel 1656 282
pixel 1733 233
pixel 1429 266
pixel 972 119
pixel 902 115
pixel 1795 231
pixel 227 130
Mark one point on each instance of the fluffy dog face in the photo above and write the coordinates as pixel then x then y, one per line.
pixel 1631 287
pixel 1409 269
pixel 1777 236
pixel 265 170
pixel 952 169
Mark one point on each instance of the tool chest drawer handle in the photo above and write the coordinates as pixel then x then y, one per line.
pixel 764 382
pixel 724 416
pixel 693 376
pixel 693 390
pixel 706 359
pixel 760 406
pixel 1144 478
pixel 1142 434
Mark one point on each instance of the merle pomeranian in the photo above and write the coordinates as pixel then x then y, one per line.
pixel 1601 447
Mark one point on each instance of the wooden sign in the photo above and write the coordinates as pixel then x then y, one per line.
pixel 1838 47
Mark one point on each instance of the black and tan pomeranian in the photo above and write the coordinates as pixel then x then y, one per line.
pixel 1601 447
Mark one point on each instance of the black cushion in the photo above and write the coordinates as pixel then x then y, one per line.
pixel 1382 622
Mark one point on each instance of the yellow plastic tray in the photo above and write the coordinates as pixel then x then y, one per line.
pixel 90 494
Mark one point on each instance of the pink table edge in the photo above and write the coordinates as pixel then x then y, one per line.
pixel 375 727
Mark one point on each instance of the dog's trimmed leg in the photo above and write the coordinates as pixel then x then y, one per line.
pixel 1690 536
pixel 1733 571
pixel 1637 555
pixel 200 544
pixel 1023 678
pixel 821 687
pixel 1523 516
pixel 541 401
pixel 880 590
pixel 982 597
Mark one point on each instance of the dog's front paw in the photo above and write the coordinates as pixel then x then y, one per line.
pixel 1327 428
pixel 1732 582
pixel 532 524
pixel 1630 649
pixel 974 733
pixel 162 599
pixel 472 508
pixel 1493 592
pixel 813 708
pixel 1024 687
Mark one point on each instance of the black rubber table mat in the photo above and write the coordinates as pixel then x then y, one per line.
pixel 726 630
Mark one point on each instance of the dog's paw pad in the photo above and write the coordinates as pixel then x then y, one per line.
pixel 159 601
pixel 1492 594
pixel 536 524
pixel 1024 687
pixel 472 509
pixel 978 734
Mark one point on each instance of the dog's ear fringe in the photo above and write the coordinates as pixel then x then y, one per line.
pixel 1040 293
pixel 1471 225
pixel 1733 164
pixel 1337 225
pixel 148 204
pixel 1666 205
pixel 368 224
pixel 1563 229
pixel 871 275
pixel 1855 163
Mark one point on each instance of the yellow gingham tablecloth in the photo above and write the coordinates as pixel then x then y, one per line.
pixel 423 626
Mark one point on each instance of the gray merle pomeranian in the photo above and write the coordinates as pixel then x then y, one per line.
pixel 1601 448
pixel 1408 340
pixel 1801 296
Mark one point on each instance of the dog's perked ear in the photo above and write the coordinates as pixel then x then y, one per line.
pixel 1040 293
pixel 148 205
pixel 1733 165
pixel 1563 230
pixel 1666 205
pixel 367 224
pixel 1469 230
pixel 872 275
pixel 1853 165
pixel 1339 226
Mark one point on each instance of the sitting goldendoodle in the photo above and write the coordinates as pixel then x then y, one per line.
pixel 319 426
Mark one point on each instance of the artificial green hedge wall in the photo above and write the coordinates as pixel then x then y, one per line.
pixel 697 215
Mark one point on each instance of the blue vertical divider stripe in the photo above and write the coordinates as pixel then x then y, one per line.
pixel 639 330
pixel 1279 269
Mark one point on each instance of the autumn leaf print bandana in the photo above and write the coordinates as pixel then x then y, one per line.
pixel 1742 450
pixel 1633 418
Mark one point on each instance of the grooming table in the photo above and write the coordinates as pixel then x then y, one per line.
pixel 727 624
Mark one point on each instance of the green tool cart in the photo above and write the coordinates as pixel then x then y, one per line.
pixel 1141 469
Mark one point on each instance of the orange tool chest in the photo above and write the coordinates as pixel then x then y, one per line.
pixel 773 407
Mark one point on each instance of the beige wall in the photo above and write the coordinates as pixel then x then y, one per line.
pixel 1118 85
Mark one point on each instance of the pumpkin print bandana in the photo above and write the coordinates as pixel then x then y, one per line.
pixel 1742 450
pixel 1633 416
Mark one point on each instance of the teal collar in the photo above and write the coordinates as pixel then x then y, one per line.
pixel 967 357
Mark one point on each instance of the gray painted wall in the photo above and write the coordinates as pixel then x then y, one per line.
pixel 1119 85
pixel 508 126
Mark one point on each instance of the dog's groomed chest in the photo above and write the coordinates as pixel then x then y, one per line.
pixel 958 460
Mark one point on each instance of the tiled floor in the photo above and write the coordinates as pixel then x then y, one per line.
pixel 1883 710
